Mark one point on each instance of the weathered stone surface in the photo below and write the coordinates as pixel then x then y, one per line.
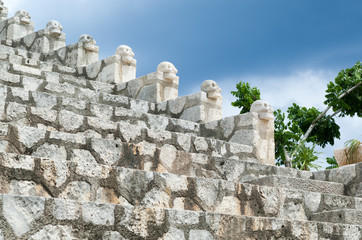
pixel 51 151
pixel 69 120
pixel 108 151
pixel 65 209
pixel 98 214
pixel 30 136
pixel 87 165
pixel 21 212
pixel 80 191
pixel 50 232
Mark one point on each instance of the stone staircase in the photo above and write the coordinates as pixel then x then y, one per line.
pixel 89 151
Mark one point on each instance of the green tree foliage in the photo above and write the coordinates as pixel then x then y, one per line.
pixel 286 136
pixel 325 131
pixel 298 133
pixel 350 104
pixel 332 163
pixel 305 157
pixel 245 95
pixel 289 131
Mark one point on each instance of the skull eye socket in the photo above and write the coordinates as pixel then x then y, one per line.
pixel 265 105
pixel 213 84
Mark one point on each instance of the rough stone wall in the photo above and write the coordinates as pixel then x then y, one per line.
pixel 90 151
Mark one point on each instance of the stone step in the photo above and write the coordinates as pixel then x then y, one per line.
pixel 26 217
pixel 69 115
pixel 143 156
pixel 345 216
pixel 310 185
pixel 81 178
pixel 350 176
pixel 46 143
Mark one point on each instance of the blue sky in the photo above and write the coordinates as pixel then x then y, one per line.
pixel 289 49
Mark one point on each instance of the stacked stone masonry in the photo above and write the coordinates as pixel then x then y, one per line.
pixel 88 150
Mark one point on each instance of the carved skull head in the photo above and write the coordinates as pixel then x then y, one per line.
pixel 263 109
pixel 212 89
pixel 2 7
pixel 168 69
pixel 23 16
pixel 54 28
pixel 126 54
pixel 88 42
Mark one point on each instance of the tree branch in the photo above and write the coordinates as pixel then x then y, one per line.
pixel 312 125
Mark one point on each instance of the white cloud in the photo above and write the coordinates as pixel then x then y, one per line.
pixel 306 88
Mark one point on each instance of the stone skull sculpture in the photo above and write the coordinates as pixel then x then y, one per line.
pixel 54 28
pixel 263 109
pixel 88 42
pixel 212 89
pixel 168 70
pixel 23 17
pixel 126 54
pixel 2 7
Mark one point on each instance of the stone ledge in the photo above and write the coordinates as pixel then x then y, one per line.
pixel 55 218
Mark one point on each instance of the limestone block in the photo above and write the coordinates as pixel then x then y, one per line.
pixel 102 111
pixel 87 165
pixel 55 172
pixel 113 236
pixel 184 140
pixel 29 136
pixel 54 232
pixel 168 157
pixel 129 132
pixel 312 201
pixel 18 26
pixel 68 137
pixel 135 183
pixel 201 144
pixel 200 235
pixel 15 111
pixel 20 93
pixel 175 182
pixel 69 120
pixel 108 151
pixel 21 69
pixel 65 209
pixel 18 162
pixel 50 151
pixel 184 218
pixel 60 88
pixel 9 77
pixel 137 221
pixel 230 205
pixel 207 192
pixel 139 106
pixel 77 190
pixel 26 188
pixel 75 104
pixel 21 212
pixel 44 100
pixel 156 198
pixel 98 214
pixel 30 83
pixel 173 234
